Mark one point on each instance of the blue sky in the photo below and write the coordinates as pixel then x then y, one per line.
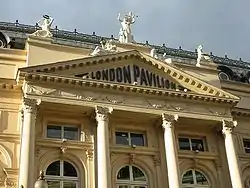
pixel 222 26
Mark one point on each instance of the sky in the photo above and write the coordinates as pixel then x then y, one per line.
pixel 221 26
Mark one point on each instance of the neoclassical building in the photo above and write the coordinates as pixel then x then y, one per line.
pixel 96 112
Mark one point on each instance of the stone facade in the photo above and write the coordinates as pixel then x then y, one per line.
pixel 89 121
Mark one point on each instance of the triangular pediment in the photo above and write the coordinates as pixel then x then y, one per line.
pixel 129 68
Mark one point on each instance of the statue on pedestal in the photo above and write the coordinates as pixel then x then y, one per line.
pixel 125 34
pixel 45 24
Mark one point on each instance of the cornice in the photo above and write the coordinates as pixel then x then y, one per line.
pixel 13 54
pixel 43 78
pixel 241 112
pixel 235 86
pixel 7 137
pixel 137 150
pixel 10 87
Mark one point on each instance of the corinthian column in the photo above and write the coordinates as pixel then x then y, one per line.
pixel 231 154
pixel 103 154
pixel 170 149
pixel 27 153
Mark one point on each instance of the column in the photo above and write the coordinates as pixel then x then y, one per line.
pixel 231 153
pixel 170 149
pixel 27 151
pixel 103 154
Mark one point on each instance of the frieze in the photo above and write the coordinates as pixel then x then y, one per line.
pixel 135 101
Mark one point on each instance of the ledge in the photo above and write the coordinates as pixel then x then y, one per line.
pixel 200 155
pixel 139 150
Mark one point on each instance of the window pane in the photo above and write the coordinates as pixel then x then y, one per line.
pixel 138 174
pixel 184 144
pixel 247 145
pixel 123 173
pixel 54 131
pixel 188 178
pixel 69 170
pixel 121 138
pixel 70 133
pixel 197 144
pixel 54 169
pixel 123 186
pixel 54 184
pixel 137 139
pixel 69 184
pixel 200 178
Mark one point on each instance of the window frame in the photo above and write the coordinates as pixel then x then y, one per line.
pixel 131 183
pixel 62 126
pixel 202 138
pixel 61 178
pixel 129 138
pixel 243 143
pixel 195 185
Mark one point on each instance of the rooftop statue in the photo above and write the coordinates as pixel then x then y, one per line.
pixel 45 24
pixel 201 55
pixel 125 34
pixel 106 47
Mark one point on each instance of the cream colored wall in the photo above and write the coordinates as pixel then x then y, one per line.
pixel 10 61
pixel 42 51
pixel 9 135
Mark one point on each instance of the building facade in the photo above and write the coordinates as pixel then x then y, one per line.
pixel 121 115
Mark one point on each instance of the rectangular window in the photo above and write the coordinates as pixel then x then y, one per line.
pixel 63 132
pixel 191 144
pixel 246 143
pixel 127 138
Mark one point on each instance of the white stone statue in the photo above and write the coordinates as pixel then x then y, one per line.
pixel 200 52
pixel 105 48
pixel 45 23
pixel 125 34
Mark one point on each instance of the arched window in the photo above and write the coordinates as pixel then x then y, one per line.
pixel 62 174
pixel 194 179
pixel 131 177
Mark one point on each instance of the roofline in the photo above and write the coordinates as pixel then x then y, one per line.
pixel 95 39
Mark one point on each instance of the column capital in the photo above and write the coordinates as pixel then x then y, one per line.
pixel 228 126
pixel 30 105
pixel 168 120
pixel 102 113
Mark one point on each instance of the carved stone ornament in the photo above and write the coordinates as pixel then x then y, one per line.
pixel 11 182
pixel 102 113
pixel 157 160
pixel 90 154
pixel 168 120
pixel 228 126
pixel 30 105
pixel 107 47
pixel 131 159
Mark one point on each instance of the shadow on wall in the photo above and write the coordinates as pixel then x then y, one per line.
pixel 4 116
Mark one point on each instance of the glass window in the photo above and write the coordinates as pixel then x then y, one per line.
pixel 131 177
pixel 137 139
pixel 54 131
pixel 191 144
pixel 63 132
pixel 194 179
pixel 127 138
pixel 122 138
pixel 246 143
pixel 62 174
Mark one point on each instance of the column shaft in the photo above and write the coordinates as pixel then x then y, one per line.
pixel 103 153
pixel 231 155
pixel 170 149
pixel 27 153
